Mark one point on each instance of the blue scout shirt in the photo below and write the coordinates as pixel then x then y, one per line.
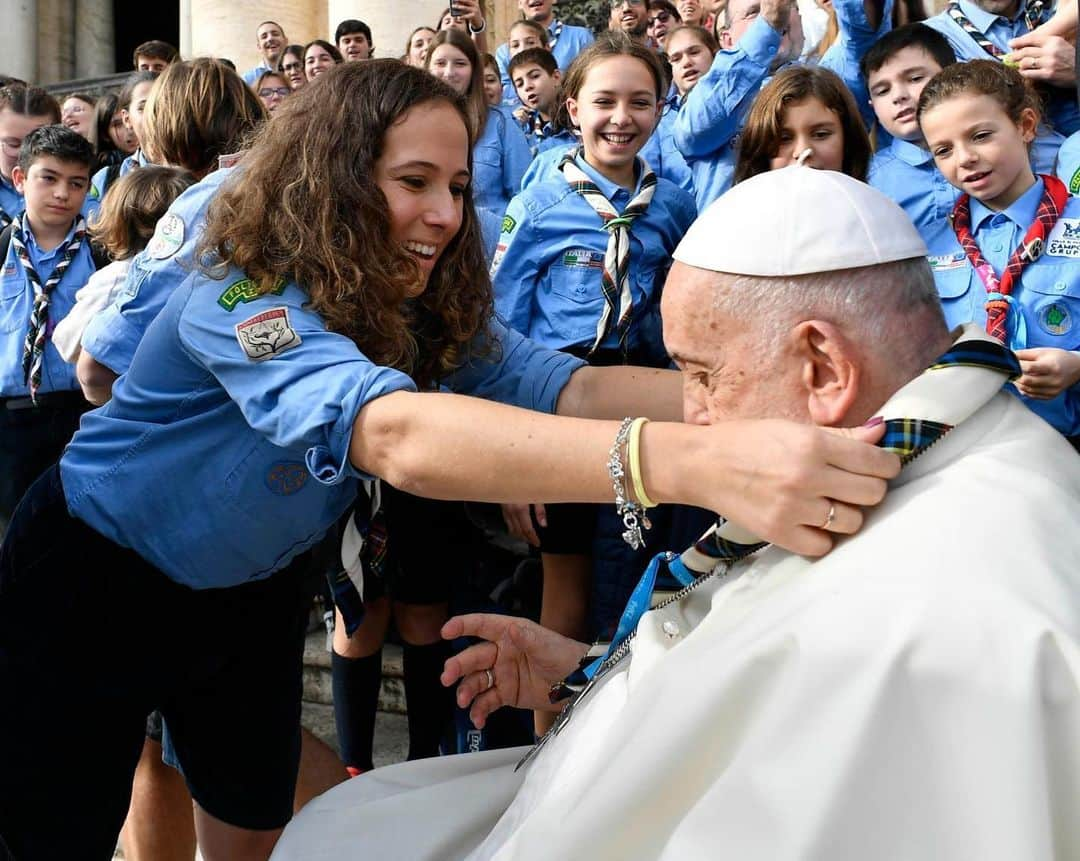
pixel 99 183
pixel 500 156
pixel 114 333
pixel 11 202
pixel 252 75
pixel 1068 164
pixel 713 112
pixel 1062 109
pixel 671 164
pixel 572 41
pixel 548 265
pixel 906 172
pixel 1046 312
pixel 224 451
pixel 16 301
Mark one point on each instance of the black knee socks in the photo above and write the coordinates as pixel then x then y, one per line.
pixel 430 705
pixel 356 698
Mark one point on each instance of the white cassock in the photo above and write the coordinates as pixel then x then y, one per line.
pixel 914 695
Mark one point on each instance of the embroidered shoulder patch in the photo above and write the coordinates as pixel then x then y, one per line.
pixel 508 224
pixel 267 335
pixel 496 261
pixel 1074 183
pixel 246 290
pixel 1064 239
pixel 168 237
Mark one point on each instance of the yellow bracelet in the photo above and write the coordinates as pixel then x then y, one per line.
pixel 634 456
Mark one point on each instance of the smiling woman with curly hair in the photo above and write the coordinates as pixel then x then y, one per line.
pixel 348 287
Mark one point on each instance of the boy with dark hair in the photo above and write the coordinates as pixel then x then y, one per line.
pixel 46 259
pixel 154 56
pixel 536 77
pixel 896 68
pixel 353 39
pixel 22 109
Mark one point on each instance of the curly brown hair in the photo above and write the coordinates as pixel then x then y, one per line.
pixel 308 209
pixel 760 138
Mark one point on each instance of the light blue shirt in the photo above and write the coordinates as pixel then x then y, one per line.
pixel 11 202
pixel 1062 110
pixel 16 302
pixel 113 334
pixel 224 451
pixel 1068 164
pixel 572 41
pixel 549 263
pixel 500 157
pixel 906 172
pixel 1045 306
pixel 251 76
pixel 99 184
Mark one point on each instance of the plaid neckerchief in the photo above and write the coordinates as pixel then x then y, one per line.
pixel 949 392
pixel 363 554
pixel 38 330
pixel 1034 11
pixel 554 34
pixel 615 281
pixel 999 291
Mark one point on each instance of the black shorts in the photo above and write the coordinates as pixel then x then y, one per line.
pixel 119 640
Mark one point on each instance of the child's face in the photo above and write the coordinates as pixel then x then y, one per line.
pixel 150 64
pixel 418 47
pixel 122 136
pixel 13 128
pixel 690 59
pixel 616 110
pixel 492 86
pixel 77 115
pixel 536 88
pixel 133 114
pixel 293 67
pixel 54 191
pixel 452 66
pixel 979 150
pixel 810 125
pixel 895 89
pixel 522 38
pixel 424 171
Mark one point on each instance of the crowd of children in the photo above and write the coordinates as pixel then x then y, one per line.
pixel 591 155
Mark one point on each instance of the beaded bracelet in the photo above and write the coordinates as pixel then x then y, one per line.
pixel 632 513
pixel 634 456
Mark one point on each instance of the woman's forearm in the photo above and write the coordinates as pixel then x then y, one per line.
pixel 617 392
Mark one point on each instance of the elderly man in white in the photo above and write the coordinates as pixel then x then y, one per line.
pixel 913 695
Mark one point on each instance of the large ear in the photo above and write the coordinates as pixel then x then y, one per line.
pixel 830 372
pixel 18 179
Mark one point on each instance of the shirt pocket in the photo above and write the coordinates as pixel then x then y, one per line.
pixel 1051 306
pixel 487 174
pixel 958 297
pixel 14 309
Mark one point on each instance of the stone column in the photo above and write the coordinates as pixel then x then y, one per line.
pixel 220 29
pixel 503 14
pixel 390 23
pixel 56 28
pixel 19 39
pixel 94 38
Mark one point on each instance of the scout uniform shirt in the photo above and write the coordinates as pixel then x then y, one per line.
pixel 224 451
pixel 99 184
pixel 16 301
pixel 1046 312
pixel 500 156
pixel 569 41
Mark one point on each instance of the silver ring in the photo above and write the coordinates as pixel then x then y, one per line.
pixel 830 517
pixel 491 680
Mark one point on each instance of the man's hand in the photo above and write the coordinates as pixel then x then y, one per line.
pixel 1048 372
pixel 1044 57
pixel 777 14
pixel 522 658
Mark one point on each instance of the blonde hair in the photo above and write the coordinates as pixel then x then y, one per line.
pixel 133 205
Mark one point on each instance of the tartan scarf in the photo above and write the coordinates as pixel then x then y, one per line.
pixel 38 330
pixel 949 392
pixel 554 34
pixel 999 291
pixel 1034 10
pixel 363 553
pixel 615 281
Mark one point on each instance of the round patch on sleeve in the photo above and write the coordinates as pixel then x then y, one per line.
pixel 168 237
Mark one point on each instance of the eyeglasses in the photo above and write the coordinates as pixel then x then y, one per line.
pixel 615 4
pixel 267 92
pixel 660 18
pixel 292 67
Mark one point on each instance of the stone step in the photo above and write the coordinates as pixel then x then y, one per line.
pixel 318 681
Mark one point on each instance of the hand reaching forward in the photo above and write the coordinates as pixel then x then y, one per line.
pixel 515 665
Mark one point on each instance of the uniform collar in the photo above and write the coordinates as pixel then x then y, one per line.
pixel 984 20
pixel 1021 212
pixel 553 25
pixel 35 251
pixel 608 188
pixel 910 153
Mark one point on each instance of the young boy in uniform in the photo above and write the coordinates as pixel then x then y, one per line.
pixel 536 78
pixel 48 257
pixel 22 109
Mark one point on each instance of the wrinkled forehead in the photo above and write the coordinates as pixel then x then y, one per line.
pixel 689 309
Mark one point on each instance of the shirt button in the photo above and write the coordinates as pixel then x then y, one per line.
pixel 1059 286
pixel 670 629
pixel 997 246
pixel 997 220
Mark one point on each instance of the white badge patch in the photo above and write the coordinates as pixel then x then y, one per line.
pixel 496 261
pixel 944 262
pixel 168 237
pixel 267 335
pixel 1064 239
